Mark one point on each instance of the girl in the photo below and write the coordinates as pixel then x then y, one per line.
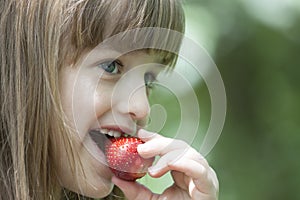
pixel 56 91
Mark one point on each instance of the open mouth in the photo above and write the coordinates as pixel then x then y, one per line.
pixel 102 136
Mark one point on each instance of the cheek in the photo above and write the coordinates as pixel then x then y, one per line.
pixel 85 98
pixel 102 100
pixel 77 99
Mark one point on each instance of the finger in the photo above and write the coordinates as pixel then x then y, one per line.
pixel 132 190
pixel 199 180
pixel 158 145
pixel 193 170
pixel 194 193
pixel 169 161
pixel 165 163
pixel 148 135
pixel 180 179
pixel 214 179
pixel 199 174
pixel 197 194
pixel 162 165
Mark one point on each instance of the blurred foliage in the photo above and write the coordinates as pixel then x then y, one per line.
pixel 256 46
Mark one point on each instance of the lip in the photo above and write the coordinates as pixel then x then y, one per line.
pixel 100 139
pixel 121 129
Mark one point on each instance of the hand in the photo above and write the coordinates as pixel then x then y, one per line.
pixel 192 175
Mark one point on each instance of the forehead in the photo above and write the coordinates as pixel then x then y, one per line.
pixel 123 23
pixel 126 15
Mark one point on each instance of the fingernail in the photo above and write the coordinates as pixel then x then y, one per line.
pixel 142 148
pixel 145 134
pixel 154 170
pixel 142 133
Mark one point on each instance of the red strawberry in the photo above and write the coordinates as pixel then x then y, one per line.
pixel 124 160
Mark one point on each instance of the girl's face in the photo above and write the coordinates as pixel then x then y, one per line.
pixel 104 92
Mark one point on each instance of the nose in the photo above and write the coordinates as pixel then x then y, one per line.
pixel 138 104
pixel 130 99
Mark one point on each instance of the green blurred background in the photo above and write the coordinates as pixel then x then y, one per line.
pixel 256 47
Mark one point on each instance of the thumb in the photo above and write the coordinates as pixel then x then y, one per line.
pixel 132 190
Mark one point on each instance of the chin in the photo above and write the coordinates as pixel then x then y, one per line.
pixel 99 190
pixel 98 185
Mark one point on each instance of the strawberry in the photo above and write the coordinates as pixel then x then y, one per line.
pixel 124 160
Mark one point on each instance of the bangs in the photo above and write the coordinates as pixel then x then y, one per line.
pixel 96 21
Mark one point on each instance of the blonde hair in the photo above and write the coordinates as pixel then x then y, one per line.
pixel 38 38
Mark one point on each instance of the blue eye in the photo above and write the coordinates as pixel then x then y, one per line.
pixel 112 67
pixel 149 80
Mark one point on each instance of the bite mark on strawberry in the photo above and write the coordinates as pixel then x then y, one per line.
pixel 124 160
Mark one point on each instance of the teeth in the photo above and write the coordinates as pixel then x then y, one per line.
pixel 105 131
pixel 110 132
pixel 117 134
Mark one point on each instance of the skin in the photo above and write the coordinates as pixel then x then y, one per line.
pixel 192 175
pixel 92 98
